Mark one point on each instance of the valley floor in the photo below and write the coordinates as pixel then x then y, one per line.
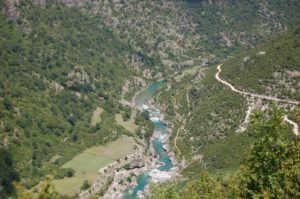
pixel 88 163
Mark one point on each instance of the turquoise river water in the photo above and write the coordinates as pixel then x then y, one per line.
pixel 143 100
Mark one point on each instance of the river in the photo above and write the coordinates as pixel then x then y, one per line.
pixel 142 100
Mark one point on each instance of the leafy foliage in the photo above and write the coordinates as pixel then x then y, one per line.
pixel 164 192
pixel 204 188
pixel 8 175
pixel 56 63
pixel 45 191
pixel 213 113
pixel 272 167
pixel 86 185
pixel 270 170
pixel 210 129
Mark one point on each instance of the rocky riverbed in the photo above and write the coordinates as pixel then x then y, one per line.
pixel 154 163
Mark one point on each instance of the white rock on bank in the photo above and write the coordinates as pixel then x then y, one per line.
pixel 160 176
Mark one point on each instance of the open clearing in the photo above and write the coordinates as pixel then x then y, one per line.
pixel 190 71
pixel 96 118
pixel 88 163
pixel 128 125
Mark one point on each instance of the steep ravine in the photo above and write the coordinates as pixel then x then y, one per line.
pixel 166 168
pixel 149 164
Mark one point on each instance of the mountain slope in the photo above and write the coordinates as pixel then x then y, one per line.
pixel 60 60
pixel 221 160
pixel 57 66
pixel 209 136
pixel 269 170
pixel 272 68
pixel 182 33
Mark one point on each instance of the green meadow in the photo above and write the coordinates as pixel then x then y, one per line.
pixel 88 163
pixel 128 125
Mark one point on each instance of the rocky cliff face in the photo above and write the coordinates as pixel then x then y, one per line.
pixel 10 9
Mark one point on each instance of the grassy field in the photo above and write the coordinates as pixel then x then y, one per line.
pixel 190 71
pixel 96 118
pixel 128 125
pixel 87 164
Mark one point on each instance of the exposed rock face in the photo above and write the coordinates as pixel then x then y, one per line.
pixel 50 83
pixel 147 74
pixel 225 39
pixel 41 3
pixel 79 76
pixel 139 163
pixel 287 80
pixel 11 10
pixel 158 76
pixel 188 63
pixel 75 3
pixel 139 82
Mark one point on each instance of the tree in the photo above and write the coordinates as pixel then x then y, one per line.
pixel 8 104
pixel 86 185
pixel 21 192
pixel 272 168
pixel 70 172
pixel 163 192
pixel 7 173
pixel 204 188
pixel 45 191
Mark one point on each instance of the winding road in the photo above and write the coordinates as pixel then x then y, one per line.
pixel 217 76
pixel 181 128
pixel 295 125
pixel 272 98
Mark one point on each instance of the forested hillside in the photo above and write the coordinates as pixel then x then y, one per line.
pixel 208 117
pixel 57 66
pixel 271 69
pixel 175 34
pixel 230 26
pixel 61 60
pixel 270 169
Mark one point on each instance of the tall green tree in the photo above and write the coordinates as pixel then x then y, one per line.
pixel 272 168
pixel 205 188
pixel 163 192
pixel 8 175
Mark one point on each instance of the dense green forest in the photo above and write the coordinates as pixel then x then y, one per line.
pixel 57 66
pixel 210 129
pixel 206 115
pixel 60 60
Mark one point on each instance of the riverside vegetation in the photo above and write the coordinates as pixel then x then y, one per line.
pixel 62 60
